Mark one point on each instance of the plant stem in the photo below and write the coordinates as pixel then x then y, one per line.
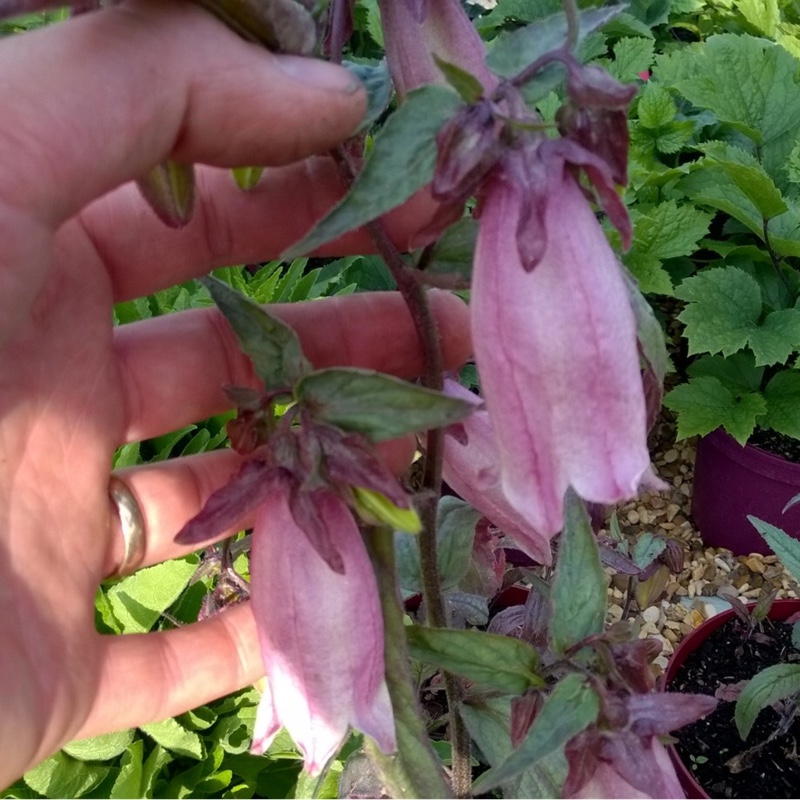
pixel 416 298
pixel 415 770
pixel 776 262
pixel 573 23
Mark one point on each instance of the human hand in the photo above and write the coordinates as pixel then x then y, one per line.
pixel 88 106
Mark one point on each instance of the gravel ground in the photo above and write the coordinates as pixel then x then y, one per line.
pixel 708 573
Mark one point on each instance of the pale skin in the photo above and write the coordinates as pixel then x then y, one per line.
pixel 88 105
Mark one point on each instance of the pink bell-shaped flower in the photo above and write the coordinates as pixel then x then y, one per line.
pixel 321 632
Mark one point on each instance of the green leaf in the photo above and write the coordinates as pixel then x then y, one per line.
pixel 140 599
pixel 748 175
pixel 511 52
pixel 325 786
pixel 738 372
pixel 62 776
pixel 271 345
pixel 667 230
pixel 247 177
pixel 777 337
pixel 724 306
pixel 750 83
pixel 796 635
pixel 783 404
pixel 377 405
pixel 455 533
pixel 656 107
pixel 761 14
pixel 647 549
pixel 378 83
pixel 155 763
pixel 174 737
pixel 501 662
pixel 784 546
pixel 489 723
pixel 401 162
pixel 454 249
pixel 579 586
pixel 649 332
pixel 571 708
pixel 128 783
pixel 469 88
pixel 705 403
pixel 632 55
pixel 100 748
pixel 771 684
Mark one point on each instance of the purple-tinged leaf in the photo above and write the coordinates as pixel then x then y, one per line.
pixel 508 622
pixel 271 345
pixel 523 714
pixel 633 662
pixel 582 760
pixel 376 405
pixel 306 507
pixel 570 708
pixel 763 605
pixel 537 619
pixel 730 692
pixel 794 501
pixel 611 557
pixel 229 505
pixel 662 712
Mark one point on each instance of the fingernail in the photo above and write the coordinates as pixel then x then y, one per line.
pixel 319 74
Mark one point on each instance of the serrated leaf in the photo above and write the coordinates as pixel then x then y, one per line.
pixel 669 230
pixel 632 55
pixel 649 273
pixel 724 306
pixel 579 587
pixel 627 25
pixel 656 107
pixel 401 162
pixel 782 394
pixel 777 337
pixel 750 83
pixel 501 662
pixel 139 600
pixel 100 748
pixel 62 776
pixel 761 14
pixel 738 372
pixel 766 687
pixel 154 764
pixel 271 345
pixel 128 783
pixel 571 708
pixel 378 83
pixel 377 405
pixel 784 546
pixel 489 722
pixel 171 735
pixel 704 404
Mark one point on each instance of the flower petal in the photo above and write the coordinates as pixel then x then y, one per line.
pixel 321 632
pixel 557 354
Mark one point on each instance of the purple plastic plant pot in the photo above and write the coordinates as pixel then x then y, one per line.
pixel 730 482
pixel 781 609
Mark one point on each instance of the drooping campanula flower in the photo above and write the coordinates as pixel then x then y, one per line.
pixel 471 468
pixel 555 337
pixel 321 633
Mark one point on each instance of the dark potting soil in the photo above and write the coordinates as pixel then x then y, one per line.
pixel 711 742
pixel 777 444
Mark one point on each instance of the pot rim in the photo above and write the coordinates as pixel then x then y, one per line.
pixel 780 610
pixel 754 458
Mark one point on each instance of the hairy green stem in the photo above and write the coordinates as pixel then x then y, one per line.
pixel 414 771
pixel 416 298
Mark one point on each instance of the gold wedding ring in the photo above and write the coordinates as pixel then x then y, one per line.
pixel 131 523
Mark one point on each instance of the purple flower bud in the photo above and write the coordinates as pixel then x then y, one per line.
pixel 414 32
pixel 321 634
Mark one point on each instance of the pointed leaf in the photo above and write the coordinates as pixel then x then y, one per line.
pixel 467 85
pixel 271 345
pixel 62 776
pixel 498 661
pixel 174 737
pixel 784 546
pixel 571 708
pixel 782 395
pixel 170 191
pixel 647 549
pixel 579 587
pixel 129 780
pixel 247 177
pixel 401 162
pixel 771 684
pixel 100 748
pixel 378 83
pixel 379 406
